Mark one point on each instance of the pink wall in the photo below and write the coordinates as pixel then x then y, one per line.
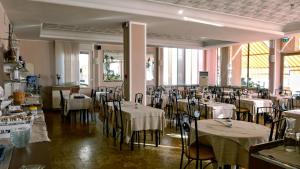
pixel 211 65
pixel 40 54
pixel 236 59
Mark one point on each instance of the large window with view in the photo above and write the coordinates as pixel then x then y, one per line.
pixel 181 66
pixel 84 73
pixel 255 64
pixel 291 72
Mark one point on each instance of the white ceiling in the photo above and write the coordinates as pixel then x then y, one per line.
pixel 100 20
pixel 276 11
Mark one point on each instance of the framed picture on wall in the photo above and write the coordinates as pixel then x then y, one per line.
pixel 113 65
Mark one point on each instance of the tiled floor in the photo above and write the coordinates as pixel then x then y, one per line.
pixel 82 146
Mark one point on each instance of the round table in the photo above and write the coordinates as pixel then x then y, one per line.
pixel 231 144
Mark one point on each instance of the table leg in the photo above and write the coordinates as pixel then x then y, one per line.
pixel 132 140
pixel 156 138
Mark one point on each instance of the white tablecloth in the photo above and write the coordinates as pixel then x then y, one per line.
pixel 139 119
pixel 279 99
pixel 231 145
pixel 215 109
pixel 39 132
pixel 253 103
pixel 72 103
pixel 294 114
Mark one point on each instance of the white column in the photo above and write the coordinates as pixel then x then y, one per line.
pixel 134 59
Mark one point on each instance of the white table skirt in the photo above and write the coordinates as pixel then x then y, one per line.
pixel 215 109
pixel 139 119
pixel 72 103
pixel 231 145
pixel 294 114
pixel 253 103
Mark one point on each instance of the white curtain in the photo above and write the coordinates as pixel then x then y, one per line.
pixel 71 53
pixel 68 53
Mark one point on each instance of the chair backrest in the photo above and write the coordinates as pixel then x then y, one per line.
pixel 193 105
pixel 118 114
pixel 175 102
pixel 104 107
pixel 62 99
pixel 263 93
pixel 278 127
pixel 110 92
pixel 285 104
pixel 270 114
pixel 156 100
pixel 139 98
pixel 185 132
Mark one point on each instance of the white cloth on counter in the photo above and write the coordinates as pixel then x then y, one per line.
pixel 231 144
pixel 39 132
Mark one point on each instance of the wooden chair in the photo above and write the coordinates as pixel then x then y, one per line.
pixel 295 102
pixel 169 105
pixel 62 105
pixel 242 110
pixel 193 150
pixel 119 129
pixel 105 115
pixel 156 100
pixel 278 127
pixel 138 98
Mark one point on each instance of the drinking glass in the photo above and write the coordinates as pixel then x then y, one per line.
pixel 290 135
pixel 20 136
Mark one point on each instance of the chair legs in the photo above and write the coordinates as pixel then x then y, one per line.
pixel 181 160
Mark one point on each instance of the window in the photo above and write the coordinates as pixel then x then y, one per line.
pixel 181 66
pixel 150 67
pixel 255 64
pixel 219 66
pixel 291 72
pixel 170 66
pixel 192 65
pixel 84 59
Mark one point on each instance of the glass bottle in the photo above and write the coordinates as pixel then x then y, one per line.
pixel 290 135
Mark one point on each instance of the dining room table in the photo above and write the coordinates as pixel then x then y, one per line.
pixel 253 103
pixel 231 140
pixel 214 109
pixel 77 102
pixel 137 117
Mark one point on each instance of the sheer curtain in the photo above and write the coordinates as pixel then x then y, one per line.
pixel 71 52
pixel 67 52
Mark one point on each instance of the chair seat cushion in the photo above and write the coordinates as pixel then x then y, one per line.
pixel 205 152
pixel 242 110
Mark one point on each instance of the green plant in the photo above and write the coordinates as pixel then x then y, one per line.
pixel 109 74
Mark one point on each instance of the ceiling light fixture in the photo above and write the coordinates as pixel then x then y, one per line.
pixel 180 12
pixel 202 21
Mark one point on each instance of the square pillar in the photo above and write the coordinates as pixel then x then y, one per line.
pixel 134 59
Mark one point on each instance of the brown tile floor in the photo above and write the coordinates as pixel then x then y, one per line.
pixel 82 146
